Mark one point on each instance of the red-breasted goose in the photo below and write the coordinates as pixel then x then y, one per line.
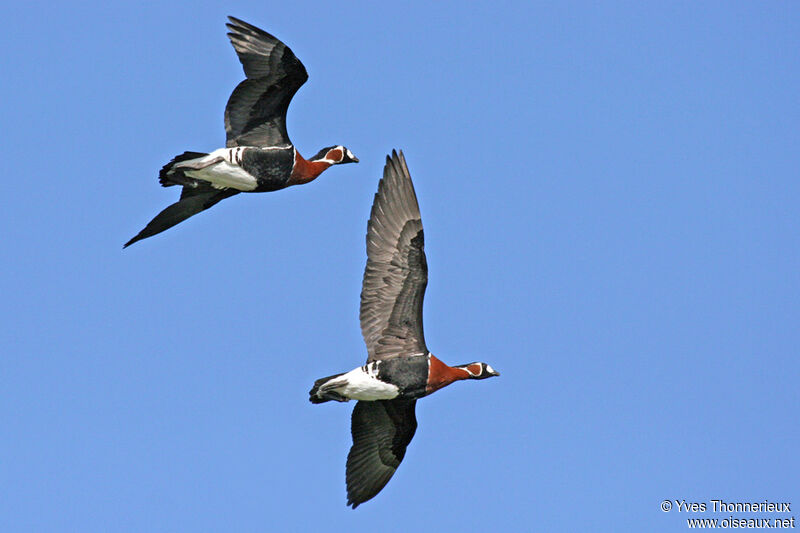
pixel 258 157
pixel 399 367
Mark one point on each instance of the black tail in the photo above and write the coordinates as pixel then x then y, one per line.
pixel 164 179
pixel 328 396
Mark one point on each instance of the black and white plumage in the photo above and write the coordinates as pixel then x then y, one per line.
pixel 259 156
pixel 392 292
pixel 399 368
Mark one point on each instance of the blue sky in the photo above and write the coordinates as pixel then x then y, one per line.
pixel 609 194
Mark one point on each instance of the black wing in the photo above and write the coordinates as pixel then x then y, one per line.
pixel 256 111
pixel 397 271
pixel 192 201
pixel 381 432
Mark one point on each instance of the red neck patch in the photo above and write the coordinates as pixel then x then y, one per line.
pixel 475 369
pixel 440 375
pixel 304 171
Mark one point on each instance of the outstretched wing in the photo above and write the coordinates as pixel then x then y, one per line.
pixel 256 111
pixel 397 271
pixel 192 201
pixel 381 432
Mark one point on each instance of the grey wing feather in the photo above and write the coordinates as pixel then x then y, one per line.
pixel 256 111
pixel 397 271
pixel 381 432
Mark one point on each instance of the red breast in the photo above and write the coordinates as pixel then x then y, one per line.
pixel 304 171
pixel 441 375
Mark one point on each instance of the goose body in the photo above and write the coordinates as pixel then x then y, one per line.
pixel 399 368
pixel 258 157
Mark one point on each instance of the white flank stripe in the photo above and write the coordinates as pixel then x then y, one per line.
pixel 226 173
pixel 362 383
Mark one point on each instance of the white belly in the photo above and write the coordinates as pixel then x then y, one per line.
pixel 361 384
pixel 222 174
